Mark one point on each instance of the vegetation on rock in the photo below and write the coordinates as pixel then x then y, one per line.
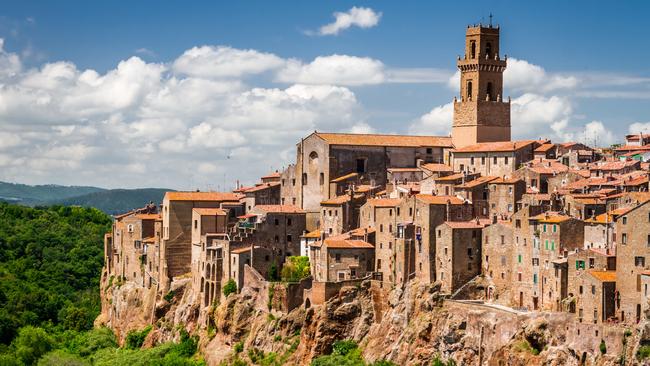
pixel 295 269
pixel 230 287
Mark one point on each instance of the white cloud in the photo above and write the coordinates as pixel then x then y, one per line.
pixel 359 17
pixel 220 62
pixel 597 134
pixel 437 122
pixel 362 127
pixel 334 69
pixel 10 64
pixel 533 114
pixel 639 127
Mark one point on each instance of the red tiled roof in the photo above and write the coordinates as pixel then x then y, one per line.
pixel 348 244
pixel 551 218
pixel 434 167
pixel 312 234
pixel 385 140
pixel 202 196
pixel 545 148
pixel 439 200
pixel 502 146
pixel 144 216
pixel 404 169
pixel 603 276
pixel 262 186
pixel 210 211
pixel 272 175
pixel 345 177
pixel 240 250
pixel 451 177
pixel 506 180
pixel 279 209
pixel 476 182
pixel 471 224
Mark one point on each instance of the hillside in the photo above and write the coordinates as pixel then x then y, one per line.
pixel 33 195
pixel 115 201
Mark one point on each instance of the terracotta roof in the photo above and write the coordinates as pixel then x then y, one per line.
pixel 339 200
pixel 384 140
pixel 551 218
pixel 383 202
pixel 603 252
pixel 434 167
pixel 451 177
pixel 502 146
pixel 632 148
pixel 348 244
pixel 471 224
pixel 148 216
pixel 439 200
pixel 363 188
pixel 210 211
pixel 344 177
pixel 312 234
pixel 545 148
pixel 476 182
pixel 279 209
pixel 272 175
pixel 362 231
pixel 548 167
pixel 404 169
pixel 240 250
pixel 603 276
pixel 613 165
pixel 262 186
pixel 506 180
pixel 609 216
pixel 149 239
pixel 202 196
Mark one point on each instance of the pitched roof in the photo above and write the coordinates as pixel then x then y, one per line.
pixel 451 177
pixel 548 167
pixel 384 140
pixel 439 200
pixel 603 276
pixel 404 170
pixel 210 211
pixel 344 177
pixel 501 146
pixel 203 196
pixel 436 167
pixel 551 218
pixel 312 234
pixel 545 148
pixel 262 186
pixel 348 244
pixel 148 216
pixel 272 175
pixel 506 180
pixel 471 224
pixel 279 209
pixel 339 200
pixel 240 250
pixel 476 182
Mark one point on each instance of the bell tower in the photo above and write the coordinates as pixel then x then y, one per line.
pixel 481 115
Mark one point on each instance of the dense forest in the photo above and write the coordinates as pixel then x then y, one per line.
pixel 50 264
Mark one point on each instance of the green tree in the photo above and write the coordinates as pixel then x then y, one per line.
pixel 31 344
pixel 230 287
pixel 295 269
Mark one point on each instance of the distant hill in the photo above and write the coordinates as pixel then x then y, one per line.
pixel 110 201
pixel 33 195
pixel 115 201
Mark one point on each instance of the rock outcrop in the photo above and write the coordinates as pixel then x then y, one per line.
pixel 412 327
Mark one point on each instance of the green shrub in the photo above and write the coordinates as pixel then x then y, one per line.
pixel 273 272
pixel 602 346
pixel 437 361
pixel 135 339
pixel 169 296
pixel 344 347
pixel 239 347
pixel 31 344
pixel 643 352
pixel 295 269
pixel 230 287
pixel 60 358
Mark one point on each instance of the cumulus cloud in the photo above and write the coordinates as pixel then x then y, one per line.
pixel 151 124
pixel 437 122
pixel 216 62
pixel 334 69
pixel 358 17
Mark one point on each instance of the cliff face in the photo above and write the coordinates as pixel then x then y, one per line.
pixel 411 328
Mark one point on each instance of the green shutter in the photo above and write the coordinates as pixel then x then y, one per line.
pixel 519 258
pixel 546 245
pixel 544 227
pixel 552 244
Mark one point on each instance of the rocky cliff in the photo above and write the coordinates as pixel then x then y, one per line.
pixel 409 327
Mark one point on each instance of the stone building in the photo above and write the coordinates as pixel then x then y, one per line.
pixel 497 248
pixel 341 214
pixel 428 212
pixel 382 215
pixel 262 194
pixel 176 247
pixel 207 262
pixel 597 301
pixel 323 157
pixel 588 271
pixel 632 257
pixel 481 114
pixel 341 258
pixel 458 254
pixel 504 193
pixel 476 191
pixel 500 159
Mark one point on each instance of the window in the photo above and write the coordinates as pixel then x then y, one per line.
pixel 639 261
pixel 580 264
pixel 390 228
pixel 489 91
pixel 429 151
pixel 471 160
pixel 648 243
pixel 552 244
pixel 482 160
pixel 509 207
pixel 378 264
pixel 544 227
pixel 535 261
pixel 554 228
pixel 546 245
pixel 289 238
pixel 337 257
pixel 488 50
pixel 398 211
pixel 390 212
pixel 518 224
pixel 503 239
pixel 519 276
pixel 593 289
pixel 304 179
pixel 196 224
pixel 535 278
pixel 277 222
pixel 503 260
pixel 293 181
pixel 439 233
pixel 321 179
pixel 381 228
pixel 288 222
pixel 494 160
pixel 519 258
pixel 469 252
pixel 592 262
pixel 469 90
pixel 505 160
pixel 624 220
pixel 624 238
pixel 277 239
pixel 361 165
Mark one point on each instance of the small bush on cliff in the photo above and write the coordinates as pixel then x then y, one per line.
pixel 344 347
pixel 239 347
pixel 437 361
pixel 603 346
pixel 135 339
pixel 643 352
pixel 295 269
pixel 169 296
pixel 230 287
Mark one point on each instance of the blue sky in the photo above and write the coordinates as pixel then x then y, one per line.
pixel 577 69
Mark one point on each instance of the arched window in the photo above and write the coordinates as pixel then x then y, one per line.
pixel 488 49
pixel 473 49
pixel 489 91
pixel 469 90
